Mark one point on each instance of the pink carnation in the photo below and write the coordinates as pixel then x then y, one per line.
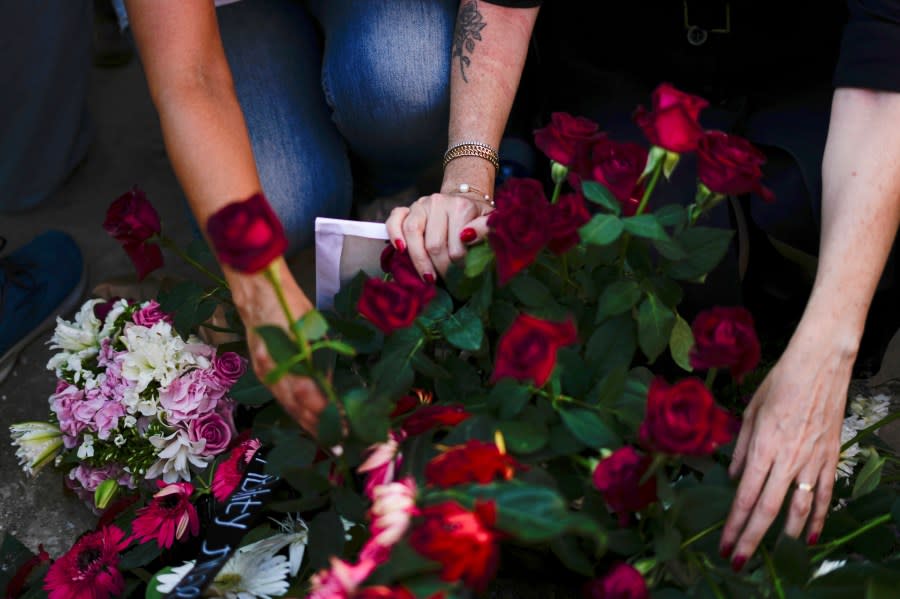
pixel 187 397
pixel 63 402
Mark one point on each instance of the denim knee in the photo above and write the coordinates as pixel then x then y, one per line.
pixel 386 73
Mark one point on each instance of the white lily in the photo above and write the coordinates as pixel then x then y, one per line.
pixel 36 443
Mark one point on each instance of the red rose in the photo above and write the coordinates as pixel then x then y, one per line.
pixel 618 478
pixel 247 235
pixel 672 124
pixel 389 305
pixel 618 166
pixel 566 137
pixel 383 592
pixel 429 417
pixel 731 165
pixel 565 217
pixel 131 218
pixel 527 350
pixel 399 265
pixel 518 227
pixel 474 462
pixel 621 582
pixel 725 338
pixel 132 221
pixel 684 419
pixel 463 542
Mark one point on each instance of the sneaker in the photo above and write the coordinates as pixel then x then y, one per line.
pixel 38 281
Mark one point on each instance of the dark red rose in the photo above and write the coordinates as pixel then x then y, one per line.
pixel 464 542
pixel 672 123
pixel 684 419
pixel 145 256
pixel 133 221
pixel 725 338
pixel 389 305
pixel 518 227
pixel 731 165
pixel 474 462
pixel 131 218
pixel 618 166
pixel 565 217
pixel 621 582
pixel 429 417
pixel 618 478
pixel 383 592
pixel 566 137
pixel 399 265
pixel 527 350
pixel 405 404
pixel 247 235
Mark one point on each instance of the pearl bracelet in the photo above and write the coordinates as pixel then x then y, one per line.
pixel 466 188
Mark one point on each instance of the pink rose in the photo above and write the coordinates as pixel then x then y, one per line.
pixel 214 430
pixel 228 367
pixel 150 314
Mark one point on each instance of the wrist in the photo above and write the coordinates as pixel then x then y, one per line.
pixel 469 170
pixel 255 289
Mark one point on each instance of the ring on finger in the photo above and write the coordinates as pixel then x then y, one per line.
pixel 808 487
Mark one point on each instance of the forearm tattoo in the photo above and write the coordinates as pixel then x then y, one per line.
pixel 469 24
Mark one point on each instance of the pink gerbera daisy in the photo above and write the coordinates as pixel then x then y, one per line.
pixel 89 570
pixel 231 470
pixel 168 517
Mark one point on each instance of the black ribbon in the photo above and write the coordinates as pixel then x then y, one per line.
pixel 231 520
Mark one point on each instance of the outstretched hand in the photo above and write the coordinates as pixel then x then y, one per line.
pixel 789 445
pixel 437 229
pixel 258 305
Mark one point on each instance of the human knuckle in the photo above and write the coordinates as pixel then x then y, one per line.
pixel 745 503
pixel 769 508
pixel 434 249
pixel 457 254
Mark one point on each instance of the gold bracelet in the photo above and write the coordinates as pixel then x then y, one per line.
pixel 472 148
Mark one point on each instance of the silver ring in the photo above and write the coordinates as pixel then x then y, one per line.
pixel 805 487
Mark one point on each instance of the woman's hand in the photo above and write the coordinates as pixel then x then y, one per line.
pixel 258 305
pixel 436 229
pixel 789 444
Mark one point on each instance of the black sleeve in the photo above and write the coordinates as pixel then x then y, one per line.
pixel 870 49
pixel 516 3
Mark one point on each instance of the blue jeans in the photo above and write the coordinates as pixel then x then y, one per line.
pixel 45 62
pixel 325 82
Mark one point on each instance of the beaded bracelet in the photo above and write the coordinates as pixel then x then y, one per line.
pixel 472 148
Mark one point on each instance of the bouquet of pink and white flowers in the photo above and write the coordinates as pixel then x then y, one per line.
pixel 134 402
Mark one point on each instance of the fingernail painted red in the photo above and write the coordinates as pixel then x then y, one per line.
pixel 468 234
pixel 726 550
pixel 429 278
pixel 401 247
pixel 813 539
pixel 738 562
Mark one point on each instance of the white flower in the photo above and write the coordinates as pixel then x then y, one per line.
pixel 828 566
pixel 86 449
pixel 129 421
pixel 109 322
pixel 869 410
pixel 294 536
pixel 247 575
pixel 176 452
pixel 848 458
pixel 119 440
pixel 37 444
pixel 153 354
pixel 80 334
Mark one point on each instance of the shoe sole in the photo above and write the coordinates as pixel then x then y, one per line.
pixel 8 359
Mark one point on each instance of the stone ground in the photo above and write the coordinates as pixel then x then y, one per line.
pixel 128 150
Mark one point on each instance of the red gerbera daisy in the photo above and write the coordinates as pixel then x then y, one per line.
pixel 231 470
pixel 89 570
pixel 168 517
